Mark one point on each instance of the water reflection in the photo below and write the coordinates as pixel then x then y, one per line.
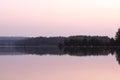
pixel 72 51
pixel 117 54
pixel 74 64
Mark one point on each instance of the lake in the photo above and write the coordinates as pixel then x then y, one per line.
pixel 51 63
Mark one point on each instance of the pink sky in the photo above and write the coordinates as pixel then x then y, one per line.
pixel 59 17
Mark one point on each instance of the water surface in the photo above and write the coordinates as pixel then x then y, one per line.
pixel 53 64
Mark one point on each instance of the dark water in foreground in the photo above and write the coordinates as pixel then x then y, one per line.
pixel 51 63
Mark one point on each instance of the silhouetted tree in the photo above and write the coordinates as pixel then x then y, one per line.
pixel 112 42
pixel 117 37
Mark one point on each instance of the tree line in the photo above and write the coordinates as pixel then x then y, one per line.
pixel 72 41
pixel 40 41
pixel 93 41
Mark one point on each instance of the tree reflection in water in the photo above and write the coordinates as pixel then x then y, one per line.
pixel 117 54
pixel 72 51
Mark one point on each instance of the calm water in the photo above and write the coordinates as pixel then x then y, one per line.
pixel 53 64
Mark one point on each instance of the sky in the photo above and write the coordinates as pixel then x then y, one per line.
pixel 59 17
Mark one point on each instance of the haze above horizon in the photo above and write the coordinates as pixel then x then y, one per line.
pixel 59 17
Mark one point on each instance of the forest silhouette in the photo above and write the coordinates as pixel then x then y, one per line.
pixel 72 41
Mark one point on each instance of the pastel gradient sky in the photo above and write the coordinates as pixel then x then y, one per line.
pixel 59 17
